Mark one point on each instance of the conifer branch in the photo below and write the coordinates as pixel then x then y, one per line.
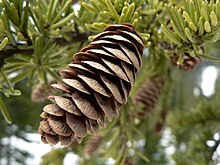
pixel 39 38
pixel 7 53
pixel 75 37
pixel 12 50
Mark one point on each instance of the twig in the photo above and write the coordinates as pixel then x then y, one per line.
pixel 76 37
pixel 10 52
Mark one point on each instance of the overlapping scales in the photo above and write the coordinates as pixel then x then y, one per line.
pixel 95 85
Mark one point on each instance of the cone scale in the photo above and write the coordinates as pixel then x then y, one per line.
pixel 93 144
pixel 94 86
pixel 148 95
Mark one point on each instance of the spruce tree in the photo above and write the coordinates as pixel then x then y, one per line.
pixel 123 71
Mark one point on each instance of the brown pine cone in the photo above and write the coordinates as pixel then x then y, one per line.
pixel 94 86
pixel 161 123
pixel 93 144
pixel 148 95
pixel 189 62
pixel 40 93
pixel 128 161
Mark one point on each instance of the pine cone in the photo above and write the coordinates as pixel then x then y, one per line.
pixel 93 144
pixel 128 161
pixel 160 124
pixel 148 95
pixel 95 85
pixel 40 93
pixel 189 62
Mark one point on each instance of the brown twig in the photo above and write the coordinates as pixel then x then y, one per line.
pixel 10 52
pixel 76 37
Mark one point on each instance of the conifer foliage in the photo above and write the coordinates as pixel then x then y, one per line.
pixel 125 81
